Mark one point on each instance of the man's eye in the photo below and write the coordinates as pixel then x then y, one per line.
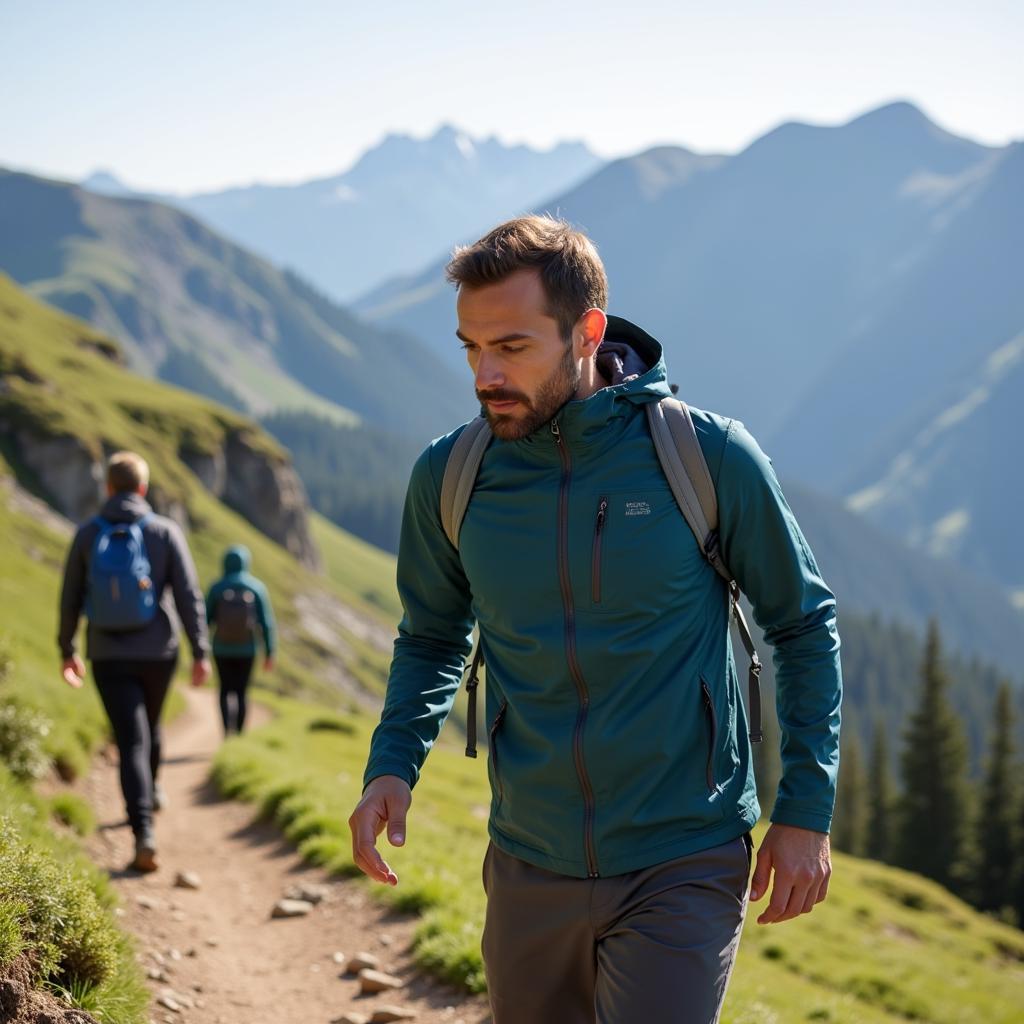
pixel 468 346
pixel 513 349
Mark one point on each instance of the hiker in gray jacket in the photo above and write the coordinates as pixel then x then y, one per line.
pixel 129 570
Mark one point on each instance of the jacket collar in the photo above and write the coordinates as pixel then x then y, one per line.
pixel 125 507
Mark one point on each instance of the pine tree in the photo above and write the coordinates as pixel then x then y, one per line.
pixel 880 797
pixel 849 832
pixel 997 855
pixel 932 826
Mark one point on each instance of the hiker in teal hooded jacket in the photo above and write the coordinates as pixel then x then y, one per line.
pixel 242 620
pixel 620 767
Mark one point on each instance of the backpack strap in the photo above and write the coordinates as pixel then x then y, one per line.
pixel 105 524
pixel 460 475
pixel 456 489
pixel 683 463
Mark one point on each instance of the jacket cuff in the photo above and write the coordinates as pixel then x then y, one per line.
pixel 403 771
pixel 786 813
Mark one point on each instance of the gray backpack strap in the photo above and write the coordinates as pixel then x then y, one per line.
pixel 456 490
pixel 460 475
pixel 683 464
pixel 685 468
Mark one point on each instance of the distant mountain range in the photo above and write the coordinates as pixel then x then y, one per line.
pixel 401 203
pixel 837 288
pixel 196 310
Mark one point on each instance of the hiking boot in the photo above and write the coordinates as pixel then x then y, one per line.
pixel 145 854
pixel 159 797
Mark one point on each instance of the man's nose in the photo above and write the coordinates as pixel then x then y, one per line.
pixel 488 374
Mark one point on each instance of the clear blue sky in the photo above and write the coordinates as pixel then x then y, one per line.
pixel 188 95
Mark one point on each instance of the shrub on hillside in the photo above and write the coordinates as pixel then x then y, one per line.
pixel 71 810
pixel 23 732
pixel 71 941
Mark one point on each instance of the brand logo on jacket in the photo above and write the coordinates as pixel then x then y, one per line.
pixel 638 508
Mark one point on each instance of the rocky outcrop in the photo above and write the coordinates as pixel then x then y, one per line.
pixel 69 472
pixel 258 484
pixel 261 487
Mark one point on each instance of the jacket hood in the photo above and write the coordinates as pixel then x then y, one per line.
pixel 237 559
pixel 125 507
pixel 633 364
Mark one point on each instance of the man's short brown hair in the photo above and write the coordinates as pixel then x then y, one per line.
pixel 127 471
pixel 571 272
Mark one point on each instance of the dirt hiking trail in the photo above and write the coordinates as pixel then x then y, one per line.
pixel 214 955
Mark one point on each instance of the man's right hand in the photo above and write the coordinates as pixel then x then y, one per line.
pixel 73 671
pixel 385 802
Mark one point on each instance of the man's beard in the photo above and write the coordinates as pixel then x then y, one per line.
pixel 558 389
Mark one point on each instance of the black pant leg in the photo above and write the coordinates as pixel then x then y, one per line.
pixel 121 690
pixel 226 708
pixel 156 682
pixel 234 675
pixel 241 692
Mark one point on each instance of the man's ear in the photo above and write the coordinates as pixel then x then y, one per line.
pixel 143 490
pixel 590 330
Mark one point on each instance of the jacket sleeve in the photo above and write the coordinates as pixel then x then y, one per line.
pixel 72 594
pixel 265 614
pixel 188 597
pixel 766 551
pixel 434 634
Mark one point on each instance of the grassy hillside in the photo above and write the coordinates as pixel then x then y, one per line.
pixel 59 380
pixel 886 947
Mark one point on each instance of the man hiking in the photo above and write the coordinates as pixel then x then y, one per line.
pixel 237 609
pixel 129 569
pixel 622 788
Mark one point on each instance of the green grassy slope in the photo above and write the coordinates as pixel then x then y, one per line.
pixel 887 946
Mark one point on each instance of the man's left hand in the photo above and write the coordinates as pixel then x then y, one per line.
pixel 802 864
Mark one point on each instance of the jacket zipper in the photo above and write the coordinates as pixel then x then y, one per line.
pixel 709 707
pixel 595 561
pixel 570 649
pixel 493 733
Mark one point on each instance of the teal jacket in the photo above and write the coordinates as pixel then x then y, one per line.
pixel 236 574
pixel 618 739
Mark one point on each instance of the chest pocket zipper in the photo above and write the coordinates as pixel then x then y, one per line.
pixel 709 709
pixel 595 560
pixel 493 748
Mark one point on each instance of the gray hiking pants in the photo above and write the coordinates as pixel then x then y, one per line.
pixel 650 945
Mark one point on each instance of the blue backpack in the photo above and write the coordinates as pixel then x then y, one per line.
pixel 120 594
